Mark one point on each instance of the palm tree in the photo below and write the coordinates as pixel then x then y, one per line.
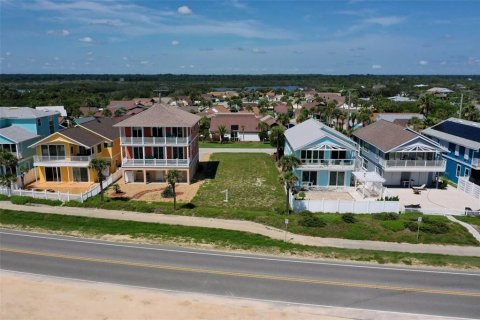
pixel 106 113
pixel 416 124
pixel 6 180
pixel 289 162
pixel 277 139
pixel 99 165
pixel 289 180
pixel 173 177
pixel 263 130
pixel 8 159
pixel 426 103
pixel 22 170
pixel 284 119
pixel 222 130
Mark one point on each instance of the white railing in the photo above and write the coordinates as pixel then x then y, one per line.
pixel 96 187
pixel 154 140
pixel 468 187
pixel 155 162
pixel 63 196
pixel 476 162
pixel 62 158
pixel 327 163
pixel 344 206
pixel 439 212
pixel 412 163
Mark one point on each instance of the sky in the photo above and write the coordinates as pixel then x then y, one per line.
pixel 240 37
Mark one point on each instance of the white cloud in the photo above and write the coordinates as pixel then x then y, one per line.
pixel 237 4
pixel 385 21
pixel 184 10
pixel 56 58
pixel 89 53
pixel 8 53
pixel 258 51
pixel 125 58
pixel 59 33
pixel 192 66
pixel 443 63
pixel 86 39
pixel 175 43
pixel 144 62
pixel 376 66
pixel 423 62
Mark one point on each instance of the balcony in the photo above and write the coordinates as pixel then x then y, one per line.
pixel 413 165
pixel 347 164
pixel 62 161
pixel 153 163
pixel 154 140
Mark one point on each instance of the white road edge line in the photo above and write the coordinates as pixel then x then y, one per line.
pixel 229 296
pixel 105 243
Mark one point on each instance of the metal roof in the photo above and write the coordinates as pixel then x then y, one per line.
pixel 461 132
pixel 24 113
pixel 17 134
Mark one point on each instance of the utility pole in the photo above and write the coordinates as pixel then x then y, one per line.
pixel 461 106
pixel 160 93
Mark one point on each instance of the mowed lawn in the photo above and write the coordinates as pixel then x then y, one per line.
pixel 252 181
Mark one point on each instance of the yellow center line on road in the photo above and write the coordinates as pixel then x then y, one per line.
pixel 244 275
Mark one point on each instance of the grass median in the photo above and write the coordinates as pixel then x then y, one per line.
pixel 218 238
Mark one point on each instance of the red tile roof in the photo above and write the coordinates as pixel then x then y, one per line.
pixel 281 108
pixel 248 120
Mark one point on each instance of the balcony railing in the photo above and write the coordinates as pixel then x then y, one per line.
pixel 62 158
pixel 327 163
pixel 154 140
pixel 155 163
pixel 412 163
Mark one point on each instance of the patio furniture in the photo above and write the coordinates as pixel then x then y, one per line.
pixel 422 187
pixel 413 206
pixel 417 191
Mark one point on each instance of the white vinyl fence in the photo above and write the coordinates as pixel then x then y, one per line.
pixel 345 206
pixel 468 187
pixel 445 211
pixel 62 195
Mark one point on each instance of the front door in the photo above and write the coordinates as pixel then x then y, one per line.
pixel 80 174
pixel 337 178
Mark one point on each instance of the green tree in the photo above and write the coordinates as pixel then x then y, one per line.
pixel 222 131
pixel 99 165
pixel 263 131
pixel 426 104
pixel 277 139
pixel 173 177
pixel 106 113
pixel 6 180
pixel 289 179
pixel 284 119
pixel 416 124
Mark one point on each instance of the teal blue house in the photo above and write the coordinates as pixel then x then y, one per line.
pixel 327 156
pixel 22 126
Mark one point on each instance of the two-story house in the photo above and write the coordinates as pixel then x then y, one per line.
pixel 327 156
pixel 64 156
pixel 20 127
pixel 400 155
pixel 157 140
pixel 462 138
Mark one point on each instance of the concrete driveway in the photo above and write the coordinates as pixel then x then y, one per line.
pixel 449 198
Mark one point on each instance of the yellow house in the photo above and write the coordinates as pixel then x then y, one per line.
pixel 64 156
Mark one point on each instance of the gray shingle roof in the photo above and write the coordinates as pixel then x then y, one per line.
pixel 24 113
pixel 82 136
pixel 103 127
pixel 17 134
pixel 160 115
pixel 312 130
pixel 384 135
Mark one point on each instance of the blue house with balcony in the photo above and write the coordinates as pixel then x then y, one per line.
pixel 22 126
pixel 462 138
pixel 403 157
pixel 327 156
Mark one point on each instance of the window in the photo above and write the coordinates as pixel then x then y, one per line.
pixel 309 177
pixel 99 148
pixel 51 124
pixel 467 172
pixel 457 150
pixel 80 174
pixel 178 153
pixel 137 132
pixel 105 145
pixel 157 132
pixel 466 154
pixel 365 164
pixel 338 154
pixel 311 156
pixel 177 132
pixel 459 169
pixel 53 174
pixel 158 153
pixel 9 147
pixel 137 152
pixel 53 151
pixel 39 122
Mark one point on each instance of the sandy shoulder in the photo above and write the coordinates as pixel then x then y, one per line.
pixel 37 297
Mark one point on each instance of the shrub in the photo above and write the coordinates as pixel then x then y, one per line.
pixel 385 216
pixel 301 195
pixel 309 220
pixel 167 192
pixel 4 197
pixel 188 206
pixel 428 226
pixel 24 200
pixel 116 188
pixel 349 218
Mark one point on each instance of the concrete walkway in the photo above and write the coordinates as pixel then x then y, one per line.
pixel 470 229
pixel 237 150
pixel 251 227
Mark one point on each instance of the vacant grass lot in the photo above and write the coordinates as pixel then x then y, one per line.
pixel 153 232
pixel 250 178
pixel 248 144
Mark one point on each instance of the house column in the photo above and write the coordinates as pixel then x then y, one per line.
pixel 145 176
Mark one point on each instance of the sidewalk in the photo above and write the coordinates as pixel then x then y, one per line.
pixel 238 150
pixel 470 229
pixel 251 227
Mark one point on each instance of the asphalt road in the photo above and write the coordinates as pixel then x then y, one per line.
pixel 364 286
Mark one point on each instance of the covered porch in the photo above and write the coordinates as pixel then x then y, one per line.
pixel 368 184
